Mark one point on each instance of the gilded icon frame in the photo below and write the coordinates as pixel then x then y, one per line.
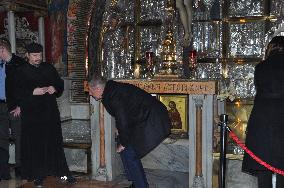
pixel 181 103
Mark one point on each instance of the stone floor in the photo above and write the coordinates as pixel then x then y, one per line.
pixel 167 179
pixel 51 182
pixel 156 179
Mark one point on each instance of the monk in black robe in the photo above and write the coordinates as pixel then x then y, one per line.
pixel 37 89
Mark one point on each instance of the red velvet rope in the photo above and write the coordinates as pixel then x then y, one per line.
pixel 257 159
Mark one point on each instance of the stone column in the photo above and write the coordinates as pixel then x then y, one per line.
pixel 102 137
pixel 198 181
pixel 100 170
pixel 41 37
pixel 106 164
pixel 95 136
pixel 200 163
pixel 12 28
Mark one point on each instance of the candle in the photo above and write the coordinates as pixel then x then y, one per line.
pixel 137 69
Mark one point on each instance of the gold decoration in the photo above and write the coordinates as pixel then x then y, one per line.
pixel 239 112
pixel 169 67
pixel 169 64
pixel 137 70
pixel 12 7
pixel 169 47
pixel 169 6
pixel 113 3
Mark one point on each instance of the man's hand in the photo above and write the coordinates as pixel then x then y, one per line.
pixel 120 148
pixel 40 90
pixel 16 112
pixel 50 90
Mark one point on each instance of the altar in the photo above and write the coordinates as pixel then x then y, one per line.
pixel 106 163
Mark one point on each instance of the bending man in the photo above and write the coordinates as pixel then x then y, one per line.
pixel 142 122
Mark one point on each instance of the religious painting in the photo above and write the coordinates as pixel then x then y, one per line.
pixel 72 29
pixel 177 106
pixel 57 30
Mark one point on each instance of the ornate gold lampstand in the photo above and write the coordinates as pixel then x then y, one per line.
pixel 169 66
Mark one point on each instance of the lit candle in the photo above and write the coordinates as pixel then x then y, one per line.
pixel 136 73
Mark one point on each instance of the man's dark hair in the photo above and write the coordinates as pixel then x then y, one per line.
pixel 275 46
pixel 34 48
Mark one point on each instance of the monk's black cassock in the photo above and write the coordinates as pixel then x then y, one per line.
pixel 42 151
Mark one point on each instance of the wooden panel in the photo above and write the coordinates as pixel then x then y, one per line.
pixel 175 86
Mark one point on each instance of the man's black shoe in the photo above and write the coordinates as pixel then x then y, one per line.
pixel 71 180
pixel 38 182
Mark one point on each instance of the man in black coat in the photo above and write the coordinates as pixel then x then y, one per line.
pixel 10 62
pixel 265 126
pixel 38 86
pixel 142 122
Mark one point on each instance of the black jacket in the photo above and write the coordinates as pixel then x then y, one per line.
pixel 266 123
pixel 142 120
pixel 11 74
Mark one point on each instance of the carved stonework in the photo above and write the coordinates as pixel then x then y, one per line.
pixel 198 101
pixel 101 174
pixel 198 182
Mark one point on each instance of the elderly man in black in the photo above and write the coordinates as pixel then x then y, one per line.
pixel 142 122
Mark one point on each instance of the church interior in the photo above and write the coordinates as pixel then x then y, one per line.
pixel 196 56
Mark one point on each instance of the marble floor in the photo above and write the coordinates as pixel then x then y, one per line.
pixel 156 179
pixel 51 182
pixel 13 183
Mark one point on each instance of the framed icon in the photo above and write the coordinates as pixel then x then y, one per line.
pixel 177 106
